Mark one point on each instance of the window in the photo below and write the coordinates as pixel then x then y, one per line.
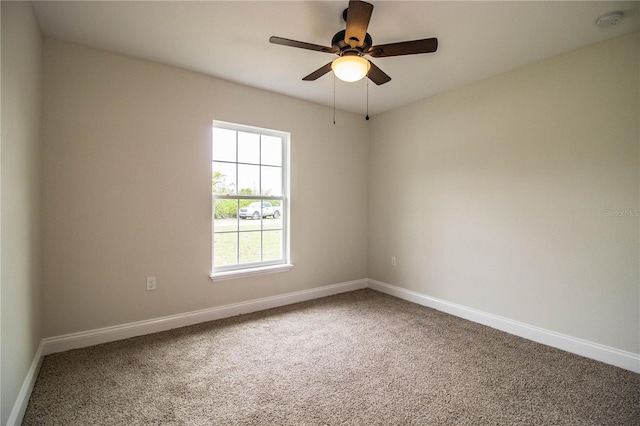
pixel 250 200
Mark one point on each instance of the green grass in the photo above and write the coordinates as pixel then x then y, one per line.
pixel 246 241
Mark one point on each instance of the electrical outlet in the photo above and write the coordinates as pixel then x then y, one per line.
pixel 151 283
pixel 393 261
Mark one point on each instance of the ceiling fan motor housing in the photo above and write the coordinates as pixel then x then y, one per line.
pixel 338 43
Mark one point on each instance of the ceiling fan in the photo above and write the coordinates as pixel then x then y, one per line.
pixel 353 43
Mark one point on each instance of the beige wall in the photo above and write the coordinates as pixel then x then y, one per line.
pixel 127 181
pixel 503 196
pixel 20 263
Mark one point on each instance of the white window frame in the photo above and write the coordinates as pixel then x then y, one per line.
pixel 262 267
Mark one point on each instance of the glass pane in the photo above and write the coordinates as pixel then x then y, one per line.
pixel 225 215
pixel 250 215
pixel 223 178
pixel 271 150
pixel 271 180
pixel 248 148
pixel 272 245
pixel 250 250
pixel 273 215
pixel 225 249
pixel 248 179
pixel 223 145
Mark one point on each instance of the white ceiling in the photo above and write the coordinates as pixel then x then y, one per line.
pixel 229 40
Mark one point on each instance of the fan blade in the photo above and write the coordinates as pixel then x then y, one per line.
pixel 318 73
pixel 301 44
pixel 358 16
pixel 377 75
pixel 427 45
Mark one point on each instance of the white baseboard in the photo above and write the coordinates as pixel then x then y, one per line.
pixel 125 331
pixel 585 348
pixel 20 406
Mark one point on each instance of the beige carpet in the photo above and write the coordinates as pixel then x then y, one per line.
pixel 359 358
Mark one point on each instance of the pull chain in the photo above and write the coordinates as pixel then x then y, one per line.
pixel 334 99
pixel 367 116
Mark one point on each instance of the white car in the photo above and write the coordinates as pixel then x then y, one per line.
pixel 254 211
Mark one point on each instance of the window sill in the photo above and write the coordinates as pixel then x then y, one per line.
pixel 229 275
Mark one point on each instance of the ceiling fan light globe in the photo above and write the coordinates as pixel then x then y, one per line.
pixel 350 68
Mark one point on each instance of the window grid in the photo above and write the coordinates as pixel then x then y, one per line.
pixel 279 232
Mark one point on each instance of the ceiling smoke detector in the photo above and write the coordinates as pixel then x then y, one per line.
pixel 609 19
